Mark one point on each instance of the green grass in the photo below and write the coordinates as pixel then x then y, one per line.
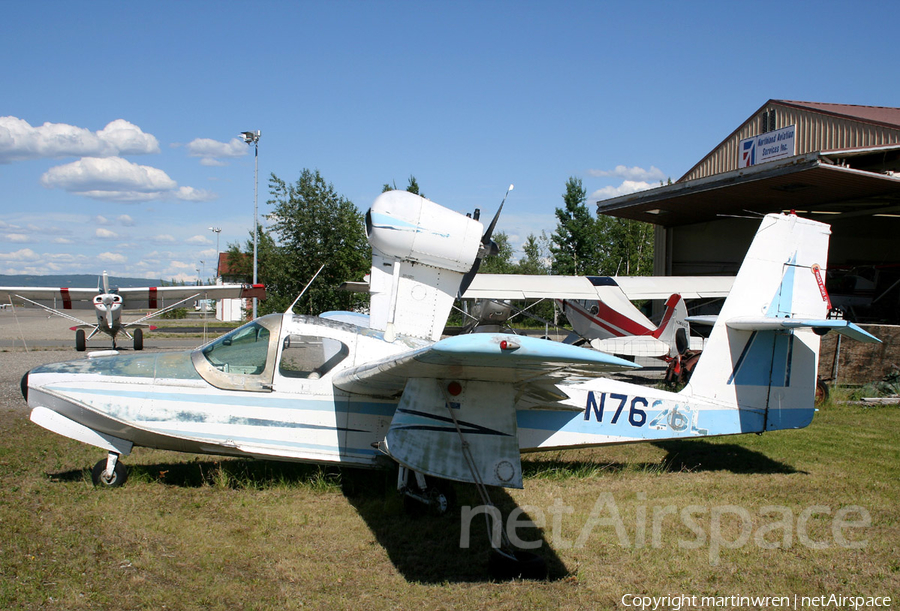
pixel 201 532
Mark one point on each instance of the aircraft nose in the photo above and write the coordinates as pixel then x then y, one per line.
pixel 24 386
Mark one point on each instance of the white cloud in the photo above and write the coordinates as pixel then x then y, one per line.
pixel 101 220
pixel 116 179
pixel 199 239
pixel 125 220
pixel 19 140
pixel 180 265
pixel 190 194
pixel 63 241
pixel 16 237
pixel 111 257
pixel 181 277
pixel 164 237
pixel 631 174
pixel 212 151
pixel 626 188
pixel 26 254
pixel 128 139
pixel 105 234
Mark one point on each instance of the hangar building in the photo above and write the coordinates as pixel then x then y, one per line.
pixel 836 163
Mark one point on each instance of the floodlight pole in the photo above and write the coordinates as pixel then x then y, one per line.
pixel 253 138
pixel 217 231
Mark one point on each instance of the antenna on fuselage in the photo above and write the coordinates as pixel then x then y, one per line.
pixel 290 309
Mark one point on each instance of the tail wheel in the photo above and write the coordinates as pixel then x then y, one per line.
pixel 80 343
pixel 138 339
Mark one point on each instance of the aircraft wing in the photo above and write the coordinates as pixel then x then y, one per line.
pixel 153 297
pixel 64 298
pixel 479 357
pixel 456 418
pixel 660 287
pixel 525 287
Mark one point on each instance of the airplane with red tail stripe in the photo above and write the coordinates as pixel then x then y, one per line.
pixel 109 303
pixel 601 311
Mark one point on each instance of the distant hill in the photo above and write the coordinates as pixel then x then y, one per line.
pixel 74 280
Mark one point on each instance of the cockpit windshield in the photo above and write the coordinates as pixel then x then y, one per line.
pixel 243 359
pixel 244 350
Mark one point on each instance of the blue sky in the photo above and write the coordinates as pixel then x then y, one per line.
pixel 117 143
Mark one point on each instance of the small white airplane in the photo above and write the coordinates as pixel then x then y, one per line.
pixel 108 304
pixel 356 390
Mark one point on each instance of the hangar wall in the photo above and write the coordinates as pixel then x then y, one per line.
pixel 815 131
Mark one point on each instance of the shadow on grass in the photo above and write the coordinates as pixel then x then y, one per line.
pixel 427 548
pixel 700 455
pixel 423 547
pixel 235 473
pixel 682 455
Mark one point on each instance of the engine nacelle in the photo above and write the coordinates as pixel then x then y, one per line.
pixel 403 226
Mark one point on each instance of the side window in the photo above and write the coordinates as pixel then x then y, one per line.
pixel 310 357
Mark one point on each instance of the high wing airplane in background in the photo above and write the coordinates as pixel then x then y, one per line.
pixel 385 388
pixel 109 303
pixel 601 311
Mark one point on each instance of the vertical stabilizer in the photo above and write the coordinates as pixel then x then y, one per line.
pixel 756 358
pixel 674 329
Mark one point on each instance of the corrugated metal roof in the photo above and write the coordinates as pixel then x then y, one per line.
pixel 871 114
pixel 820 127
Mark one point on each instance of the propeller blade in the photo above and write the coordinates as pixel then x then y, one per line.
pixel 488 248
pixel 490 230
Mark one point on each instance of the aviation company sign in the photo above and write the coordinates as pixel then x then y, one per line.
pixel 767 147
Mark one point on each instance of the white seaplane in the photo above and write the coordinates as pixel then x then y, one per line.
pixel 357 390
pixel 109 303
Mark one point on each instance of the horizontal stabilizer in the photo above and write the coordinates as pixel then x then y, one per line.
pixel 632 345
pixel 703 319
pixel 844 327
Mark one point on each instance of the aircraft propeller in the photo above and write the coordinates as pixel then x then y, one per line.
pixel 488 248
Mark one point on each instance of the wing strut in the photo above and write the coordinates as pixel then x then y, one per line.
pixel 57 312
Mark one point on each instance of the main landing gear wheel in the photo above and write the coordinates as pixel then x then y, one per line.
pixel 433 495
pixel 101 477
pixel 138 339
pixel 821 392
pixel 80 343
pixel 516 564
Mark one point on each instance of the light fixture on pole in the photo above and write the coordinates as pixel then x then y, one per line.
pixel 217 231
pixel 253 138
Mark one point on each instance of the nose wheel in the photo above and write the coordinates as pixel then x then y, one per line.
pixel 109 472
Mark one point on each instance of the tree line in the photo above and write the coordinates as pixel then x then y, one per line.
pixel 311 224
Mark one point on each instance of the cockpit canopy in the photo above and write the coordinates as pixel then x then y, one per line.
pixel 248 357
